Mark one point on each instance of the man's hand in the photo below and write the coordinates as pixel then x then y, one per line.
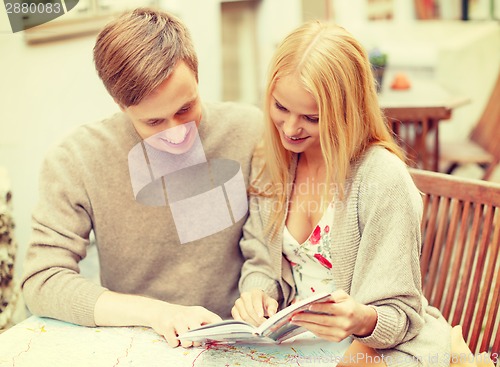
pixel 169 320
pixel 253 306
pixel 172 320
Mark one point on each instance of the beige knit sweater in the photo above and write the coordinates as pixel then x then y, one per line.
pixel 375 257
pixel 85 186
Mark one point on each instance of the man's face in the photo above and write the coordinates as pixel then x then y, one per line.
pixel 161 119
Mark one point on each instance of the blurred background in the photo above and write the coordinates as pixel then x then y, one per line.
pixel 49 85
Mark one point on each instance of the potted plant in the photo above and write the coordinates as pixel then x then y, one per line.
pixel 378 60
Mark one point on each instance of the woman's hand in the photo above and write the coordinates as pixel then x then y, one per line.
pixel 253 306
pixel 171 320
pixel 339 317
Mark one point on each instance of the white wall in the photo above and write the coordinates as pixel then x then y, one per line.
pixel 203 20
pixel 46 91
pixel 275 18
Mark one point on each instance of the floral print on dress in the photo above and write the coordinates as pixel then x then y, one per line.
pixel 311 261
pixel 323 261
pixel 315 236
pixel 321 241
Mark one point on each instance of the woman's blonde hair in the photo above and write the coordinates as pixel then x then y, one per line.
pixel 137 51
pixel 334 68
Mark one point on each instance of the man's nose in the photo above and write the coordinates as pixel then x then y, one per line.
pixel 175 122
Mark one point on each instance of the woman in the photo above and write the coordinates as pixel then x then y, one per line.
pixel 333 208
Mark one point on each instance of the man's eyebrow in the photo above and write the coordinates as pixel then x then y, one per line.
pixel 187 104
pixel 191 101
pixel 152 119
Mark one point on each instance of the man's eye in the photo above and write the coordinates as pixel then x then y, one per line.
pixel 280 107
pixel 183 110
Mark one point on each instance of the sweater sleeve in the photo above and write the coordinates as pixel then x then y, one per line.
pixel 387 272
pixel 257 269
pixel 52 285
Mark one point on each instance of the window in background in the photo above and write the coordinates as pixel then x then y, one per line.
pixel 239 51
pixel 380 9
pixel 458 9
pixel 317 9
pixel 484 9
pixel 87 17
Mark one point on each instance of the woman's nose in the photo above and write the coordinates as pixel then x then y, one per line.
pixel 291 125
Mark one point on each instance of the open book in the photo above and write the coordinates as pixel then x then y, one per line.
pixel 274 330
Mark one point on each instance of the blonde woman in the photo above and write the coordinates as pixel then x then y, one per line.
pixel 333 208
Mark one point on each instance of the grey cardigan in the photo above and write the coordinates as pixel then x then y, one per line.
pixel 375 258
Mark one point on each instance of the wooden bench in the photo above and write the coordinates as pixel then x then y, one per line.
pixel 460 260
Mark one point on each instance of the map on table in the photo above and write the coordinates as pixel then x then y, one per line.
pixel 38 342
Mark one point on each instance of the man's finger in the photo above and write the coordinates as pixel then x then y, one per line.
pixel 211 318
pixel 181 329
pixel 171 338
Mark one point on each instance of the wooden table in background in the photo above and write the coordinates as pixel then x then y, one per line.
pixel 414 115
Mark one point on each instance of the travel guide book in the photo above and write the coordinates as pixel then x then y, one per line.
pixel 275 329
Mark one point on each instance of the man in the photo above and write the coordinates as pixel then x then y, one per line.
pixel 95 179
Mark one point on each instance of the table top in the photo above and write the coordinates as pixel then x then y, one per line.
pixel 46 342
pixel 423 93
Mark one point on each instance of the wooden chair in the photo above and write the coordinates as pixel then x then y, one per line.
pixel 460 260
pixel 483 145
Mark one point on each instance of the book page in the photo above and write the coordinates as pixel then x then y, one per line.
pixel 278 326
pixel 276 329
pixel 227 329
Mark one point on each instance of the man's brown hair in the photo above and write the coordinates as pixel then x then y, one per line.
pixel 137 51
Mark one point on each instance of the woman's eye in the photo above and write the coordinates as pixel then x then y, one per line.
pixel 280 107
pixel 311 119
pixel 154 122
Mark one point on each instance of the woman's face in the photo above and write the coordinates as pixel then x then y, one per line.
pixel 295 114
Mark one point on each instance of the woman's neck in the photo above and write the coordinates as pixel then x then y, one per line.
pixel 313 164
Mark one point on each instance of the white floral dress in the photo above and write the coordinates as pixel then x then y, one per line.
pixel 311 260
